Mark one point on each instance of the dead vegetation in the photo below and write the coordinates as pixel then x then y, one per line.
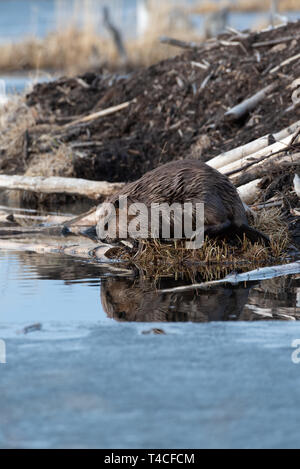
pixel 157 258
pixel 58 163
pixel 204 7
pixel 15 118
pixel 73 49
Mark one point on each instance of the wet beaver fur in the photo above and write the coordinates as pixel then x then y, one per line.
pixel 196 182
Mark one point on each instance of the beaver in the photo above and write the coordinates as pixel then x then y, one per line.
pixel 192 181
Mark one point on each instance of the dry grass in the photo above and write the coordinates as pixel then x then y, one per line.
pixel 15 119
pixel 15 116
pixel 244 5
pixel 61 50
pixel 215 256
pixel 74 50
pixel 58 163
pixel 272 222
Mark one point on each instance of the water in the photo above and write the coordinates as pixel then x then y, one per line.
pixel 17 83
pixel 109 386
pixel 19 18
pixel 90 379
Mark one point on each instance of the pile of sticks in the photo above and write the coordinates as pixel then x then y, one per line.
pixel 244 165
pixel 247 164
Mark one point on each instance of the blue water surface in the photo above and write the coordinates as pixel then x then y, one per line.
pixel 87 381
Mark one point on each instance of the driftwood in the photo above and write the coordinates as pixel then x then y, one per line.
pixel 178 43
pixel 266 166
pixel 208 45
pixel 273 42
pixel 252 147
pixel 267 162
pixel 285 62
pixel 296 183
pixel 22 219
pixel 248 192
pixel 52 231
pixel 96 115
pixel 275 203
pixel 86 144
pixel 251 276
pixel 236 32
pixel 273 149
pixel 204 66
pixel 83 250
pixel 59 185
pixel 249 104
pixel 19 219
pixel 56 245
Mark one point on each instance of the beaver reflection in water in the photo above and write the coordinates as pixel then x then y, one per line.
pixel 192 181
pixel 138 300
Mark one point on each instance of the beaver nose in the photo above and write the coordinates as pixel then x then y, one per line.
pixel 297 184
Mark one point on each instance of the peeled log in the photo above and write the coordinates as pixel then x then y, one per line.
pixel 263 167
pixel 256 157
pixel 249 104
pixel 60 185
pixel 252 147
pixel 249 192
pixel 25 220
pixel 261 273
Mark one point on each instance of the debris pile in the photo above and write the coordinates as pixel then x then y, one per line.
pixel 213 98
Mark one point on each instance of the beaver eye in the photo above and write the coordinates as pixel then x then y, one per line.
pixel 106 226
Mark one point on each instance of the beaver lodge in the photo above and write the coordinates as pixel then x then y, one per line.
pixel 232 102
